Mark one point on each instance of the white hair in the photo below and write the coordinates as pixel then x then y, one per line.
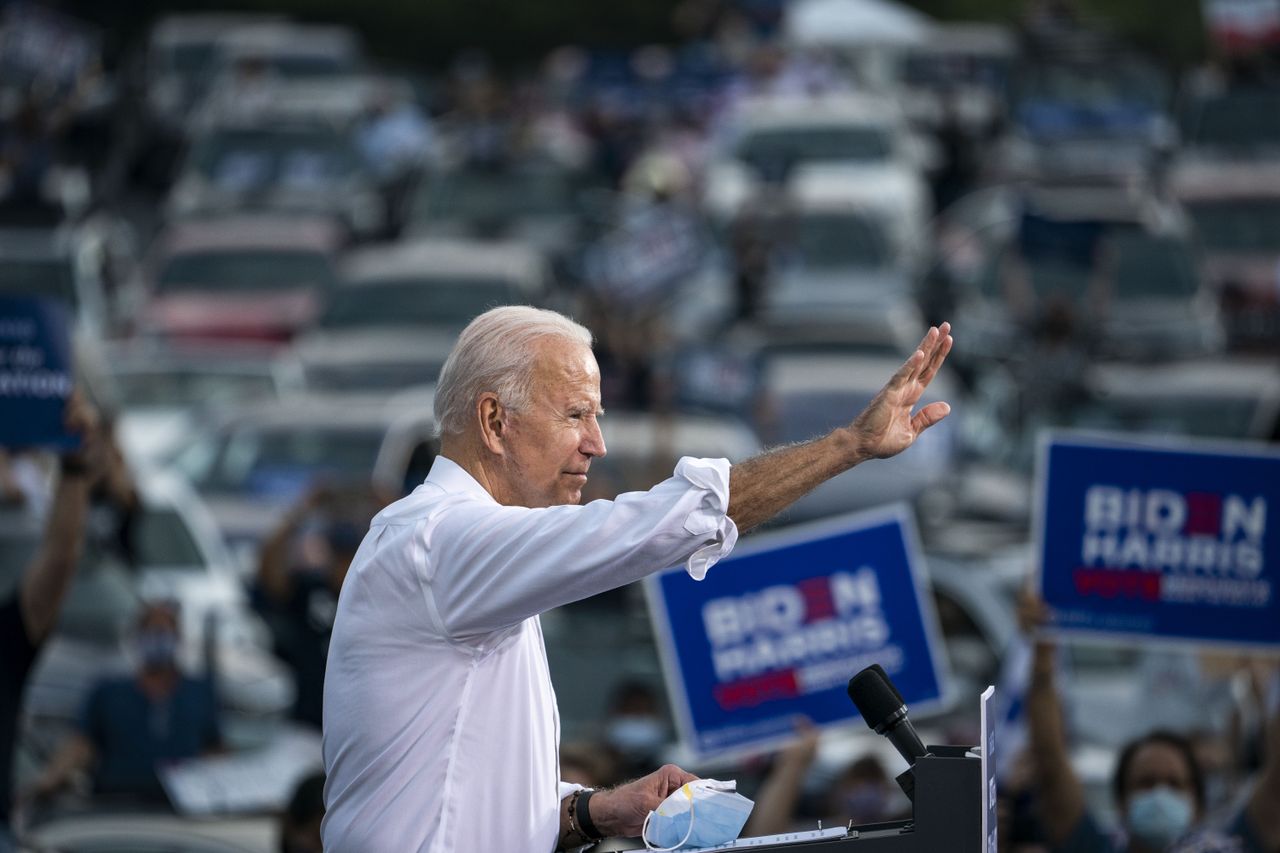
pixel 495 353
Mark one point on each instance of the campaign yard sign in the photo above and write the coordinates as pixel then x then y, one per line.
pixel 35 373
pixel 777 629
pixel 1169 542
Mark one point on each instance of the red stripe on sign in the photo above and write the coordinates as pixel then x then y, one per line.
pixel 749 692
pixel 1117 583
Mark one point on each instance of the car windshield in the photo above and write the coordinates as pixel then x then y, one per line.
pixel 1238 226
pixel 174 387
pixel 774 152
pixel 42 277
pixel 310 65
pixel 836 241
pixel 244 271
pixel 496 196
pixel 1197 417
pixel 302 158
pixel 1239 120
pixel 802 415
pixel 280 462
pixel 162 540
pixel 417 302
pixel 190 59
pixel 372 376
pixel 1152 266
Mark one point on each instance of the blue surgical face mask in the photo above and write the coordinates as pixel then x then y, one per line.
pixel 635 735
pixel 702 813
pixel 157 649
pixel 1159 816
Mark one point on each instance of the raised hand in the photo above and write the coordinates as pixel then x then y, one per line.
pixel 886 427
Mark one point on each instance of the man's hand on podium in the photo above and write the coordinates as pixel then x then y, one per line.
pixel 621 811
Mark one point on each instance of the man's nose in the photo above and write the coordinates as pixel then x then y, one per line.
pixel 593 441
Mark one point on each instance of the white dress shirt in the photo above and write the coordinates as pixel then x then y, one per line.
pixel 441 731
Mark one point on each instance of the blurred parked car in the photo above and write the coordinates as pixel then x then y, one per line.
pixel 182 55
pixel 244 277
pixel 110 831
pixel 854 149
pixel 1235 205
pixel 252 463
pixel 289 50
pixel 537 203
pixel 371 359
pixel 293 166
pixel 1100 119
pixel 809 393
pixel 159 393
pixel 394 315
pixel 960 75
pixel 64 263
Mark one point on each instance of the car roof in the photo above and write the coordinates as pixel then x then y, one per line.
pixel 301 103
pixel 816 371
pixel 438 258
pixel 252 231
pixel 373 345
pixel 202 27
pixel 1208 379
pixel 645 434
pixel 787 111
pixel 284 38
pixel 338 411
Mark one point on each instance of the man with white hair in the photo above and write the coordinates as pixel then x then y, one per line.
pixel 441 731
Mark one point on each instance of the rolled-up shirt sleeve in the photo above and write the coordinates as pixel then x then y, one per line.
pixel 490 567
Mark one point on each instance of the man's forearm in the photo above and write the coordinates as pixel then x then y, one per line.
pixel 46 581
pixel 765 485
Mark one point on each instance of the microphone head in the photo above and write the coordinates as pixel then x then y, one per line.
pixel 875 697
pixel 878 668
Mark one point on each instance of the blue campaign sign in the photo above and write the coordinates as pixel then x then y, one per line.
pixel 776 630
pixel 1169 542
pixel 35 373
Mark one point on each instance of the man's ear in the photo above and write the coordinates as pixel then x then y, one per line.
pixel 493 423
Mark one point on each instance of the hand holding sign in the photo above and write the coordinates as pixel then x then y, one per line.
pixel 887 427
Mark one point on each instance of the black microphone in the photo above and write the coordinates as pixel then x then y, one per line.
pixel 881 705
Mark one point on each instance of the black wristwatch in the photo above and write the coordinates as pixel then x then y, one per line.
pixel 584 816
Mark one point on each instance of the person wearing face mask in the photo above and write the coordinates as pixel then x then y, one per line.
pixel 635 729
pixel 132 724
pixel 1158 787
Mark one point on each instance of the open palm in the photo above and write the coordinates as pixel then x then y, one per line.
pixel 886 427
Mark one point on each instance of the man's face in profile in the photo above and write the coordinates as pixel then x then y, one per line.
pixel 551 444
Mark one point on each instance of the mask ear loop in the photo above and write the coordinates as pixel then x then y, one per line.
pixel 644 832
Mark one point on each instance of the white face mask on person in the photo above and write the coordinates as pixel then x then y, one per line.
pixel 702 813
pixel 1159 816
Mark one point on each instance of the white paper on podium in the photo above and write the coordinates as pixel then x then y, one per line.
pixel 784 838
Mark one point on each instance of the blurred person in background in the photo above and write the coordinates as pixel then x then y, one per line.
pixel 862 792
pixel 134 724
pixel 635 728
pixel 1158 785
pixel 298 593
pixel 441 728
pixel 28 613
pixel 300 823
